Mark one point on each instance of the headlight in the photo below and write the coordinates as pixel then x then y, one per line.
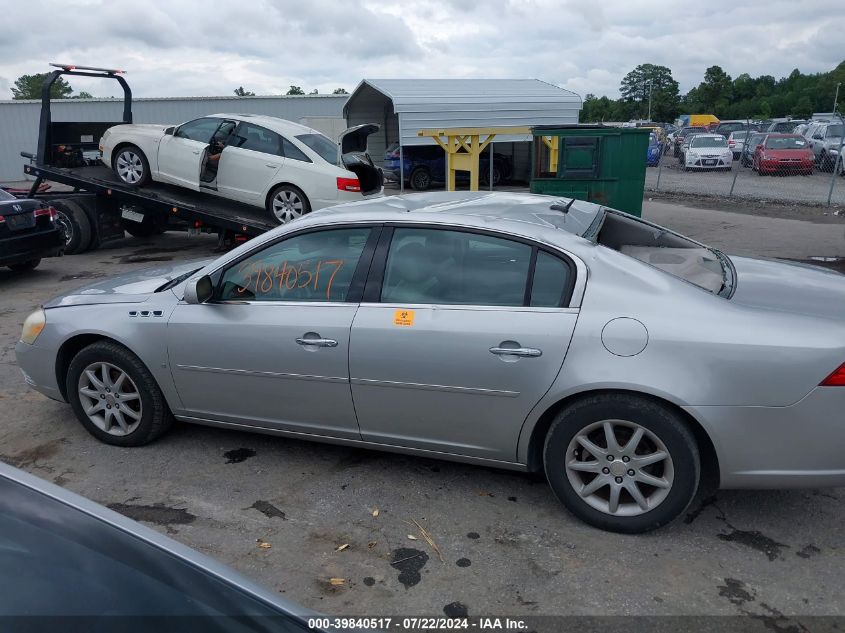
pixel 33 325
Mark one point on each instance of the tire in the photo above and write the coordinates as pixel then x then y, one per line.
pixel 153 415
pixel 131 166
pixel 825 164
pixel 420 179
pixel 662 431
pixel 74 222
pixel 287 203
pixel 149 227
pixel 22 267
pixel 498 177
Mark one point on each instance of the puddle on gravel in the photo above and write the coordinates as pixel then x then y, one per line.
pixel 157 513
pixel 238 455
pixel 409 562
pixel 755 540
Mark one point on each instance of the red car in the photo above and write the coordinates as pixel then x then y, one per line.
pixel 783 154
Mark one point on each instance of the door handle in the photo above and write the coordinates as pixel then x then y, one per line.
pixel 271 165
pixel 197 152
pixel 527 352
pixel 317 342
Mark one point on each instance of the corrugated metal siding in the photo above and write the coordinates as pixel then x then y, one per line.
pixel 443 103
pixel 19 119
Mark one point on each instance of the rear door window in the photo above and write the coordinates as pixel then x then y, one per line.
pixel 256 138
pixel 446 267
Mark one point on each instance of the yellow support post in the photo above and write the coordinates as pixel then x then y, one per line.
pixel 463 147
pixel 552 143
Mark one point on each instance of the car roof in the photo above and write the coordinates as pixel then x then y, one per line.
pixel 283 126
pixel 708 135
pixel 540 211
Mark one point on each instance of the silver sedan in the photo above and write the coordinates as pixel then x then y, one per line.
pixel 631 364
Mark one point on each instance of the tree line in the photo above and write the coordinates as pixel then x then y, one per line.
pixel 29 87
pixel 743 97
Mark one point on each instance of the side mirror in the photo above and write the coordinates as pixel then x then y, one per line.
pixel 170 130
pixel 198 290
pixel 760 147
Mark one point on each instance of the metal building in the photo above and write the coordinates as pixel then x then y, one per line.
pixel 19 119
pixel 405 106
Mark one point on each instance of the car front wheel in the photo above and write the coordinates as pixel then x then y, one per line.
pixel 115 396
pixel 622 463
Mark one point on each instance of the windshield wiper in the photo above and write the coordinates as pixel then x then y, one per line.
pixel 176 281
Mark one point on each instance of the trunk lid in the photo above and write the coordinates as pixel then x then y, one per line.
pixel 354 157
pixel 789 287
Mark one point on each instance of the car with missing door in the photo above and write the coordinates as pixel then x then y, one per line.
pixel 633 365
pixel 283 167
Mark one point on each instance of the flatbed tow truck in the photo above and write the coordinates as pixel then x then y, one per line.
pixel 98 207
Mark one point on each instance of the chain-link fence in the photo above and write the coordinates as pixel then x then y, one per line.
pixel 791 162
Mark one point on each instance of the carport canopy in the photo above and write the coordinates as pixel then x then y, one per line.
pixel 405 106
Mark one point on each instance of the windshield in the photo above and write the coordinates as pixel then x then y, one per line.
pixel 691 130
pixel 833 130
pixel 652 139
pixel 323 145
pixel 709 141
pixel 670 252
pixel 786 142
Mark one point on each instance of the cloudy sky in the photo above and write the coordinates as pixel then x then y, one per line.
pixel 209 47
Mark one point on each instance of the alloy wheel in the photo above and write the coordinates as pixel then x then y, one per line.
pixel 619 467
pixel 110 398
pixel 65 226
pixel 287 206
pixel 130 168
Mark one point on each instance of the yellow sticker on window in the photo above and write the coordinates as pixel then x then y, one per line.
pixel 403 318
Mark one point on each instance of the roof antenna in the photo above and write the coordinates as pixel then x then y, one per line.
pixel 564 208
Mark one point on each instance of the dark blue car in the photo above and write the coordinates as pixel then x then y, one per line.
pixel 655 149
pixel 426 164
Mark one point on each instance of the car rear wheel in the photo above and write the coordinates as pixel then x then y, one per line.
pixel 622 463
pixel 420 179
pixel 22 267
pixel 286 203
pixel 115 396
pixel 74 224
pixel 131 166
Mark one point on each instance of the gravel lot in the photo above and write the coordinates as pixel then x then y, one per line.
pixel 749 186
pixel 507 545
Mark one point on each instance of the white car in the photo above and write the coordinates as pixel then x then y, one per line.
pixel 286 168
pixel 708 151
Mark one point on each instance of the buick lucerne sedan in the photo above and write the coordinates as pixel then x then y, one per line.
pixel 627 362
pixel 278 165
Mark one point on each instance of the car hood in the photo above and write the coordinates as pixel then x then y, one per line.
pixel 133 287
pixel 789 287
pixel 152 129
pixel 789 153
